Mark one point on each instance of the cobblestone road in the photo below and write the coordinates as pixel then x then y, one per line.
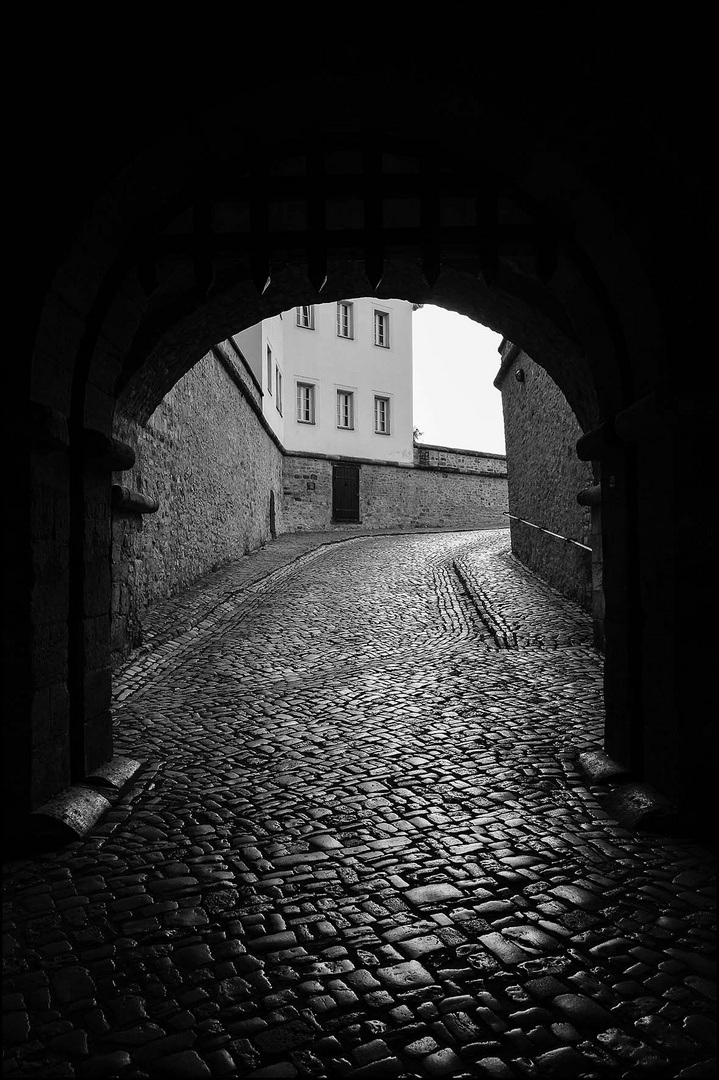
pixel 360 847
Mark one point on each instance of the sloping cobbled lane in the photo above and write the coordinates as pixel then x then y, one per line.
pixel 360 847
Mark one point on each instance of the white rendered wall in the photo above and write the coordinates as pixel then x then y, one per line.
pixel 249 342
pixel 333 363
pixel 253 344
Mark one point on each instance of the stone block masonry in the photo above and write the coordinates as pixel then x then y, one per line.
pixel 470 461
pixel 307 493
pixel 545 476
pixel 401 496
pixel 212 466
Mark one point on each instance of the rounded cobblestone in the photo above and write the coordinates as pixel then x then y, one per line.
pixel 360 844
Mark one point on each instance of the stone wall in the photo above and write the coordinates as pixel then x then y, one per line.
pixel 545 476
pixel 395 496
pixel 307 494
pixel 209 459
pixel 205 455
pixel 447 457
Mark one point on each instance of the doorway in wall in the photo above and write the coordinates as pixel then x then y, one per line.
pixel 345 493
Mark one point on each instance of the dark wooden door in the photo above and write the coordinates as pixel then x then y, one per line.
pixel 345 492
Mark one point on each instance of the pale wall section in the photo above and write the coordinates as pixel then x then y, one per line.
pixel 332 363
pixel 262 348
pixel 205 456
pixel 545 475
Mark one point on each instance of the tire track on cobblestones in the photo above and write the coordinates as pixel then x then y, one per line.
pixel 360 847
pixel 512 615
pixel 458 615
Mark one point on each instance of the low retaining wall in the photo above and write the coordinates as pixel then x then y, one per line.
pixel 469 461
pixel 400 496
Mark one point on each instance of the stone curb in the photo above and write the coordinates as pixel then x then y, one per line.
pixel 632 804
pixel 600 768
pixel 638 806
pixel 70 814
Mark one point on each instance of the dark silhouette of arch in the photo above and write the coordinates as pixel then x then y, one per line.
pixel 561 209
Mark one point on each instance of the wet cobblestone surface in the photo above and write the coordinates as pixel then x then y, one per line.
pixel 360 846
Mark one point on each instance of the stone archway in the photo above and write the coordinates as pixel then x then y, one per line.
pixel 176 253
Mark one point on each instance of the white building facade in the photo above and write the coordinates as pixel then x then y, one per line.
pixel 337 378
pixel 334 386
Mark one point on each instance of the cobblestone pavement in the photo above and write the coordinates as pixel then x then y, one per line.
pixel 360 847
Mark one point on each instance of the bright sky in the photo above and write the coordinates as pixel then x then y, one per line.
pixel 455 361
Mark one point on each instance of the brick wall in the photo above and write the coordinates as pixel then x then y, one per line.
pixel 394 496
pixel 206 457
pixel 545 475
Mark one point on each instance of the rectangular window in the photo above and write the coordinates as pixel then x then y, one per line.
pixel 305 403
pixel 345 409
pixel 269 369
pixel 306 316
pixel 381 416
pixel 345 328
pixel 278 390
pixel 381 329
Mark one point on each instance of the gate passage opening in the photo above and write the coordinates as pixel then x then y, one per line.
pixel 315 413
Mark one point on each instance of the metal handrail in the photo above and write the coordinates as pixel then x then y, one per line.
pixel 549 532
